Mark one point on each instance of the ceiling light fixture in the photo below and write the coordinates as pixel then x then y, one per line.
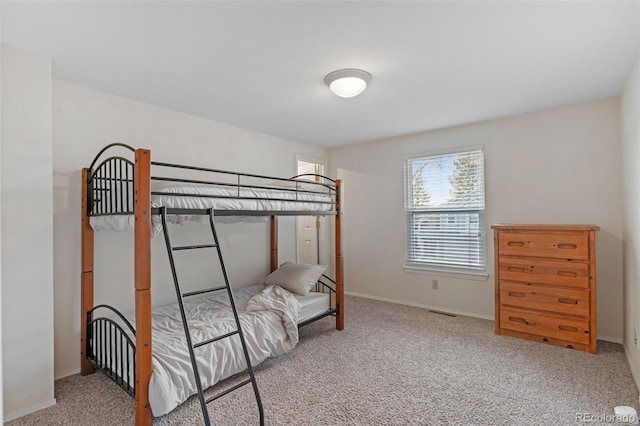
pixel 348 83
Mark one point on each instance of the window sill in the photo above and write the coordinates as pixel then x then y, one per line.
pixel 441 272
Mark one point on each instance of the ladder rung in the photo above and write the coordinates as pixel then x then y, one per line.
pixel 239 385
pixel 215 339
pixel 195 247
pixel 193 293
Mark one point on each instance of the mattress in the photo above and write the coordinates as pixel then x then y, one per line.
pixel 257 199
pixel 269 326
pixel 311 305
pixel 191 196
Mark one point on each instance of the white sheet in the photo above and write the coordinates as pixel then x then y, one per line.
pixel 269 318
pixel 268 332
pixel 312 304
pixel 259 198
pixel 294 201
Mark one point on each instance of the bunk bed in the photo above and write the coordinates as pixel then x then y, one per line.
pixel 120 192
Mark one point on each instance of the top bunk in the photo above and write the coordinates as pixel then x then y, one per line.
pixel 192 191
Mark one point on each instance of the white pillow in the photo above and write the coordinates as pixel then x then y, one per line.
pixel 296 277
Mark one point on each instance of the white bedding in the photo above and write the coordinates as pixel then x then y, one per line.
pixel 266 335
pixel 312 304
pixel 290 201
pixel 269 318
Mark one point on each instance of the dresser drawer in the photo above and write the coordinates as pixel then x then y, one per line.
pixel 561 300
pixel 559 246
pixel 539 271
pixel 550 325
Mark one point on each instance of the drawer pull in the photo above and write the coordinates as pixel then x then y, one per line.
pixel 568 301
pixel 515 244
pixel 544 339
pixel 515 269
pixel 518 319
pixel 567 246
pixel 516 294
pixel 567 274
pixel 570 346
pixel 567 328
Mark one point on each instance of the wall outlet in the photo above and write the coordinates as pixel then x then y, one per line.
pixel 434 284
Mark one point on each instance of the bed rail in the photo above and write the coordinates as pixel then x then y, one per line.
pixel 111 349
pixel 110 185
pixel 325 181
pixel 321 285
pixel 324 285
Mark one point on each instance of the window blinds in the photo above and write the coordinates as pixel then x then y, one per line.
pixel 444 204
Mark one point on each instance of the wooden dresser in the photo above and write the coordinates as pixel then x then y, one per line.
pixel 546 283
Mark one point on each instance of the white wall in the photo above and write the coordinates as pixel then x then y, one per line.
pixel 1 380
pixel 84 121
pixel 559 166
pixel 26 227
pixel 630 114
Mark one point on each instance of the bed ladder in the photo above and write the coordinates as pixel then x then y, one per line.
pixel 192 347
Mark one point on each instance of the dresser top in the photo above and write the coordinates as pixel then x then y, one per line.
pixel 546 227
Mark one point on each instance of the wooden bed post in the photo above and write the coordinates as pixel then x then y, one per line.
pixel 142 267
pixel 86 280
pixel 274 243
pixel 339 259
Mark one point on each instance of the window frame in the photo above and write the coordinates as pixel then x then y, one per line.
pixel 442 270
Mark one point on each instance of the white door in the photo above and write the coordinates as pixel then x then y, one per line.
pixel 309 227
pixel 307 240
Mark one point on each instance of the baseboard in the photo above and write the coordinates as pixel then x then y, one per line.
pixel 452 311
pixel 29 410
pixel 617 340
pixel 67 374
pixel 418 305
pixel 636 378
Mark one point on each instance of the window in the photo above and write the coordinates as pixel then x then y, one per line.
pixel 444 205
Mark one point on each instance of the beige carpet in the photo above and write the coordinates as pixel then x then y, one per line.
pixel 391 365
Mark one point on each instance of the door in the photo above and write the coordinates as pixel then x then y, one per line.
pixel 309 228
pixel 307 240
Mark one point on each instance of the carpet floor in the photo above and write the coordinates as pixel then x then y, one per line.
pixel 392 365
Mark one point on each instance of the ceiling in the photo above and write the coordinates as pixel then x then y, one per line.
pixel 260 65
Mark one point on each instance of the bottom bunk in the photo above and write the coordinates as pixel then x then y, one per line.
pixel 269 315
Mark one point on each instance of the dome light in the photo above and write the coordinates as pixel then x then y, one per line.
pixel 348 83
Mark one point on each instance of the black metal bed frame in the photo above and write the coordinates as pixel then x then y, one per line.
pixel 110 349
pixel 110 192
pixel 110 189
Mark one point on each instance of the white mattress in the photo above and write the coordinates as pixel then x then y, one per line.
pixel 312 305
pixel 289 201
pixel 269 326
pixel 260 198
